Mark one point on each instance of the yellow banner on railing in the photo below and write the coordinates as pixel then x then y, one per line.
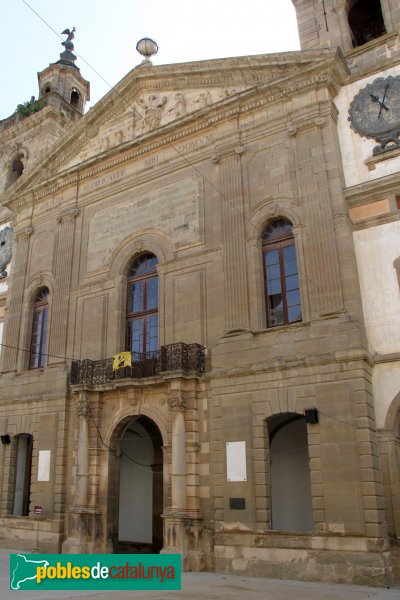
pixel 122 359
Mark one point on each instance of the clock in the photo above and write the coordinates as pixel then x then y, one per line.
pixel 5 249
pixel 375 112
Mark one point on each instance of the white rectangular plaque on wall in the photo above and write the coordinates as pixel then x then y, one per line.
pixel 236 461
pixel 44 465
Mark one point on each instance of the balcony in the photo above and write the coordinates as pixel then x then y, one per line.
pixel 172 357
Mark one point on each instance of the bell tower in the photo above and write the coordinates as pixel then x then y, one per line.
pixel 61 84
pixel 357 27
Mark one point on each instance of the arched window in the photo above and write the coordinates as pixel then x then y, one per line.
pixel 75 97
pixel 39 329
pixel 282 290
pixel 366 21
pixel 142 305
pixel 22 488
pixel 17 168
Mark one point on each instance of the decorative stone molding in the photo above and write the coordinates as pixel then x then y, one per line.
pixel 176 401
pixel 82 406
pixel 139 245
pixel 24 232
pixel 328 71
pixel 68 215
pixel 227 153
pixel 339 5
pixel 319 122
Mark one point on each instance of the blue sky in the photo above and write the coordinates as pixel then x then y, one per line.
pixel 108 30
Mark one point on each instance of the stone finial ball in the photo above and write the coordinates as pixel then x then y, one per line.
pixel 147 47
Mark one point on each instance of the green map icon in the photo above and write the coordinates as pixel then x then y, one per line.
pixel 24 569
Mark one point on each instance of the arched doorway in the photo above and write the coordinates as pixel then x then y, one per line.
pixel 291 501
pixel 140 484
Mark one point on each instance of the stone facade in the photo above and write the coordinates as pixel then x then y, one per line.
pixel 257 449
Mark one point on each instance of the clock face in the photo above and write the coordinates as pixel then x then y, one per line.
pixel 5 249
pixel 375 110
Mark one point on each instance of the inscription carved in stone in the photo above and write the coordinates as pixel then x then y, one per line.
pixel 173 209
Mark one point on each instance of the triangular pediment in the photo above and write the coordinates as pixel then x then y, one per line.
pixel 151 98
pixel 147 111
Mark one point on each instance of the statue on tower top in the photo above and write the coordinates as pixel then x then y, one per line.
pixel 68 43
pixel 68 57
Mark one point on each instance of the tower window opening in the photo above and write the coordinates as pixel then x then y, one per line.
pixel 366 21
pixel 47 89
pixel 74 97
pixel 17 168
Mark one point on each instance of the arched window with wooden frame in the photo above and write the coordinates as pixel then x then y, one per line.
pixel 142 305
pixel 282 288
pixel 40 319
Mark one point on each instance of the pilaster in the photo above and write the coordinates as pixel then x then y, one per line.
pixel 234 255
pixel 319 239
pixel 82 523
pixel 16 293
pixel 62 273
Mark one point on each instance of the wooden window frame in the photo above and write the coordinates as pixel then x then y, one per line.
pixel 144 314
pixel 40 306
pixel 279 242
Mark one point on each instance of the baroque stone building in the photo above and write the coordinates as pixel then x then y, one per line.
pixel 219 220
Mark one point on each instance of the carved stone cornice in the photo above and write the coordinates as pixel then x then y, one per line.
pixel 313 69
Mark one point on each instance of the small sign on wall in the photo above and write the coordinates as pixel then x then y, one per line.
pixel 236 461
pixel 44 465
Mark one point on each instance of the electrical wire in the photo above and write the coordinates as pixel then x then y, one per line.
pixel 113 450
pixel 168 144
pixel 183 156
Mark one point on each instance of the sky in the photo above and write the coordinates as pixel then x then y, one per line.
pixel 107 32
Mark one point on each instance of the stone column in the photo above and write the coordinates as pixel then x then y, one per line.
pixel 82 466
pixel 183 528
pixel 234 238
pixel 178 475
pixel 82 524
pixel 62 273
pixel 16 295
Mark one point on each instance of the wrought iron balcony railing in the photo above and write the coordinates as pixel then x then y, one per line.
pixel 173 357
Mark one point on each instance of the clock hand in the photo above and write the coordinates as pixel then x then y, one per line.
pixel 379 101
pixel 383 105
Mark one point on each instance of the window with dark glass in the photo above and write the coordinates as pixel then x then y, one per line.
pixel 282 290
pixel 39 329
pixel 142 305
